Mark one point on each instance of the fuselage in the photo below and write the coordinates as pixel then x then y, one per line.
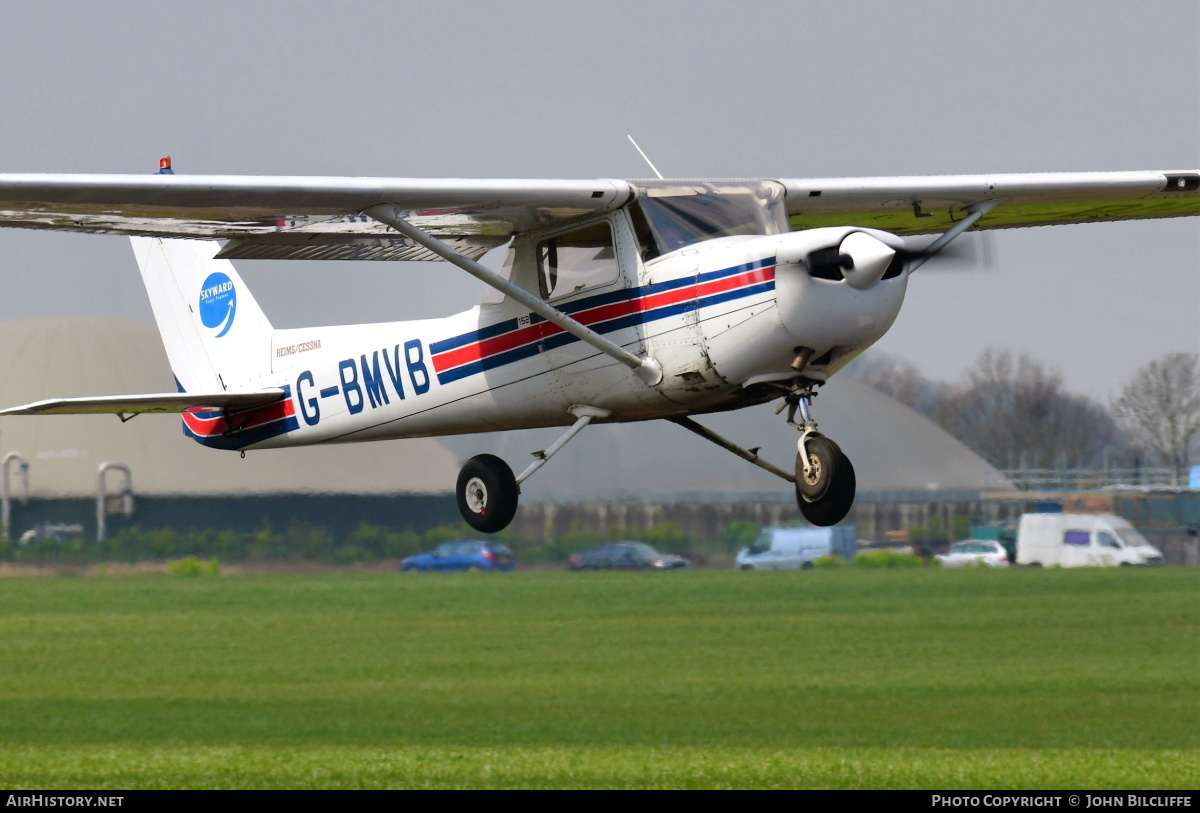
pixel 721 304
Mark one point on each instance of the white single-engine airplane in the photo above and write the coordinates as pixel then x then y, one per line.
pixel 622 300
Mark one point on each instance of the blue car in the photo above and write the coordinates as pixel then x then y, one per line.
pixel 462 555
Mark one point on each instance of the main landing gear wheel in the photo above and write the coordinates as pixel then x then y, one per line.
pixel 487 493
pixel 825 493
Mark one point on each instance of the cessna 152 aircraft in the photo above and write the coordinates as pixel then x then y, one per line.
pixel 622 300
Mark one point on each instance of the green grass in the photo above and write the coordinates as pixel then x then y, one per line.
pixel 840 678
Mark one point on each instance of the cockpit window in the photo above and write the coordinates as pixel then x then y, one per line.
pixel 668 218
pixel 577 260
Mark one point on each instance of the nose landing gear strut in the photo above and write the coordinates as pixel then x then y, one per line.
pixel 825 482
pixel 824 478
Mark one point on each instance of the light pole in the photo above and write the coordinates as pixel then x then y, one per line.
pixel 5 493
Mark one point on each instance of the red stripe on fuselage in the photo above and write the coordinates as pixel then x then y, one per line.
pixel 219 424
pixel 481 350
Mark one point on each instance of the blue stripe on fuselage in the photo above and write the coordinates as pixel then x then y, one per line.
pixel 609 326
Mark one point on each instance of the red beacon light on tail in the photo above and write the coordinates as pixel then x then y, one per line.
pixel 164 166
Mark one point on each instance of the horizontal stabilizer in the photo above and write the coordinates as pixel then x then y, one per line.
pixel 155 402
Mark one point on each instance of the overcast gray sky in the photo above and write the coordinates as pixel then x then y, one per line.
pixel 549 90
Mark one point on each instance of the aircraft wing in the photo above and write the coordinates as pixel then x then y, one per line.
pixel 932 204
pixel 157 402
pixel 286 217
pixel 301 217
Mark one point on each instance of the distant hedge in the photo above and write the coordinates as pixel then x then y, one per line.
pixel 887 558
pixel 298 542
pixel 366 543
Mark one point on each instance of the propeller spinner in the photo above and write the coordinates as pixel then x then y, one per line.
pixel 860 259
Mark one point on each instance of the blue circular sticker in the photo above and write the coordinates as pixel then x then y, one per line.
pixel 218 299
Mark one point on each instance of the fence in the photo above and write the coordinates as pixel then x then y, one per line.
pixel 1089 479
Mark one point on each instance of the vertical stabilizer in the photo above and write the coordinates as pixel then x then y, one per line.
pixel 216 336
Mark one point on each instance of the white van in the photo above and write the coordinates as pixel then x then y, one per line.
pixel 1082 540
pixel 792 548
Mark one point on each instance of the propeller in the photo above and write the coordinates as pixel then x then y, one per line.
pixel 972 251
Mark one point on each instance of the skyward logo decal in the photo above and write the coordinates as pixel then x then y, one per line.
pixel 218 302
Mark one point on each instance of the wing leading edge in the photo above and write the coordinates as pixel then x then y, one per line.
pixel 321 217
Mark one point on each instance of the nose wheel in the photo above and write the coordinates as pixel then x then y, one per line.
pixel 825 487
pixel 487 493
pixel 824 465
pixel 825 482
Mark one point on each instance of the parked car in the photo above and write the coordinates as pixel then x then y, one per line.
pixel 792 548
pixel 627 555
pixel 463 554
pixel 974 553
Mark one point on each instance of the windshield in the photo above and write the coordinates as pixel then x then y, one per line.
pixel 644 550
pixel 1130 537
pixel 762 544
pixel 458 549
pixel 668 218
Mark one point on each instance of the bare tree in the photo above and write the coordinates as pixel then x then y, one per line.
pixel 898 379
pixel 1161 407
pixel 1013 411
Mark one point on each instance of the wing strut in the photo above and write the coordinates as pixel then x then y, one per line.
pixel 583 416
pixel 977 210
pixel 647 369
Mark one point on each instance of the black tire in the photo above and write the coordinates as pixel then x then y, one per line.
pixel 824 458
pixel 808 566
pixel 747 567
pixel 839 498
pixel 487 493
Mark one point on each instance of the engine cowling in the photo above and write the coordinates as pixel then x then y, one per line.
pixel 837 291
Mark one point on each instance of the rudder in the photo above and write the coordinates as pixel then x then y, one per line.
pixel 216 336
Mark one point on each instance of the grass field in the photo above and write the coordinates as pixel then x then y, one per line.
pixel 906 678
